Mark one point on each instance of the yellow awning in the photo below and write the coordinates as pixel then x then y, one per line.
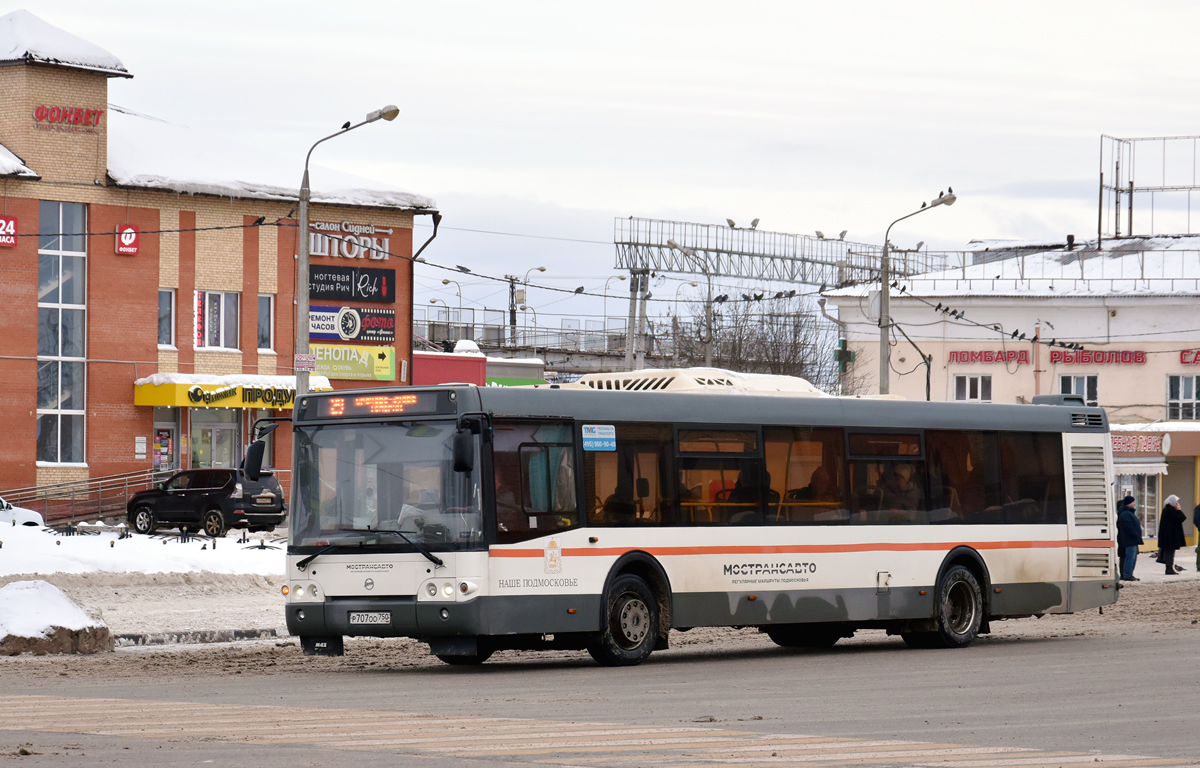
pixel 196 391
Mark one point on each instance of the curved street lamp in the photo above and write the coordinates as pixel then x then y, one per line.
pixel 389 113
pixel 606 282
pixel 447 281
pixel 885 349
pixel 707 339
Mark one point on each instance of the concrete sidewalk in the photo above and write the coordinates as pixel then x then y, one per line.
pixel 1150 571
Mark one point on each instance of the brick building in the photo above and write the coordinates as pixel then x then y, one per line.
pixel 147 277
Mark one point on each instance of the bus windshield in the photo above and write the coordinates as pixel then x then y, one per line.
pixel 357 482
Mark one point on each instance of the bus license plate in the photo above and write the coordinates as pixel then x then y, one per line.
pixel 380 617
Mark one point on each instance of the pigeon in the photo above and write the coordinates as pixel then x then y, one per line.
pixel 346 126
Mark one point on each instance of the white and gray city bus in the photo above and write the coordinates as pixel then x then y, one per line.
pixel 603 516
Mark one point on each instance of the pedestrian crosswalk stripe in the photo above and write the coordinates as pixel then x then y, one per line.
pixel 562 744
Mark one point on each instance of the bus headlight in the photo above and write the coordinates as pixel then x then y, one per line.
pixel 448 590
pixel 432 590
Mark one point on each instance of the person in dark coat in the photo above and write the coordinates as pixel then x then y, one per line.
pixel 1129 537
pixel 1170 533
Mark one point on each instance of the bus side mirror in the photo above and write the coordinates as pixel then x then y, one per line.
pixel 464 451
pixel 254 459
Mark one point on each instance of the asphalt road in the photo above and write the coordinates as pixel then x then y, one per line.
pixel 1118 700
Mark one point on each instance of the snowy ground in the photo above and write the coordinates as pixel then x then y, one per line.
pixel 30 550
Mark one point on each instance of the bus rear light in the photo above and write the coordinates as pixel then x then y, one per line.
pixel 284 589
pixel 924 592
pixel 753 597
pixel 448 590
pixel 570 610
pixel 463 587
pixel 997 590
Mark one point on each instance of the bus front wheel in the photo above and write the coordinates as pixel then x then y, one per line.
pixel 630 624
pixel 958 612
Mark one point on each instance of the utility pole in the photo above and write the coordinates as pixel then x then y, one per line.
pixel 636 279
pixel 512 308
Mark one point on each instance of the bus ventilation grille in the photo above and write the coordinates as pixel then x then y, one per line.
pixel 1087 420
pixel 1087 480
pixel 632 385
pixel 712 381
pixel 1093 560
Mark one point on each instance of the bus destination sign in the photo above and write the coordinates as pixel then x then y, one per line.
pixel 416 404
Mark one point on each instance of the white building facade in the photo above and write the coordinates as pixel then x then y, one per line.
pixel 1118 325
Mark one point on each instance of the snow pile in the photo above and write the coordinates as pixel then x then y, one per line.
pixel 24 549
pixel 11 165
pixel 37 617
pixel 146 152
pixel 25 37
pixel 233 380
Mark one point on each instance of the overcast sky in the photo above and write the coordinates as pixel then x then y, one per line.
pixel 551 119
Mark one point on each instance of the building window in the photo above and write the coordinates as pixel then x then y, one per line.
pixel 1183 397
pixel 1084 386
pixel 216 320
pixel 973 388
pixel 266 322
pixel 166 317
pixel 62 310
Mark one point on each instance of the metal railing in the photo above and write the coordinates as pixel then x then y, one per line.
pixel 84 500
pixel 98 498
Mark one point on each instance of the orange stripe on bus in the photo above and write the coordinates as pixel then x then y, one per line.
pixel 807 548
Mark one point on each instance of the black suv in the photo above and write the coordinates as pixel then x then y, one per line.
pixel 211 501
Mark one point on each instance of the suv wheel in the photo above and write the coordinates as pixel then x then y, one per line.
pixel 214 523
pixel 142 520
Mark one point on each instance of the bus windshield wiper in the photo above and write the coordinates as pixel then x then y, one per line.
pixel 302 564
pixel 419 547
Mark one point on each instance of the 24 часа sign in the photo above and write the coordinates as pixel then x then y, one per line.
pixel 352 324
pixel 352 284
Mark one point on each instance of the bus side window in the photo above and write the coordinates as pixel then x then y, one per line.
pixel 534 467
pixel 807 469
pixel 964 477
pixel 630 486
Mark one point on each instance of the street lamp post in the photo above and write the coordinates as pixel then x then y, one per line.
pixel 708 316
pixel 527 308
pixel 389 113
pixel 447 281
pixel 675 324
pixel 885 349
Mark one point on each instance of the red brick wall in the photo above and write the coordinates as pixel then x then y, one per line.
pixel 122 303
pixel 285 327
pixel 18 338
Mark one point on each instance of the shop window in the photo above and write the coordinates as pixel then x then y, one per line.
pixel 973 388
pixel 217 320
pixel 1183 397
pixel 1084 386
pixel 62 308
pixel 266 322
pixel 166 317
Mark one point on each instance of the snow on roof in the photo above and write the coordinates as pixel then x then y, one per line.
pixel 11 165
pixel 146 152
pixel 25 37
pixel 35 608
pixel 231 380
pixel 1143 266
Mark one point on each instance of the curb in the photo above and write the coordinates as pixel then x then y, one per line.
pixel 200 636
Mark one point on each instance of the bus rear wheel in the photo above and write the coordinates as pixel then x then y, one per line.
pixel 630 624
pixel 805 635
pixel 958 612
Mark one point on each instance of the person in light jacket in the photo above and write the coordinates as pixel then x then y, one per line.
pixel 1129 537
pixel 1170 533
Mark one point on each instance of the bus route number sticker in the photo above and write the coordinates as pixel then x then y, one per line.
pixel 599 437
